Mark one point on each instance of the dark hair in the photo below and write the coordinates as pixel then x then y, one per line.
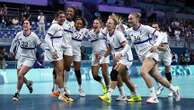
pixel 74 9
pixel 27 20
pixel 58 13
pixel 82 19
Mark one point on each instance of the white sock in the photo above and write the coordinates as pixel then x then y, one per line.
pixel 56 88
pixel 80 87
pixel 172 88
pixel 66 77
pixel 121 91
pixel 153 92
pixel 61 90
pixel 17 91
pixel 110 91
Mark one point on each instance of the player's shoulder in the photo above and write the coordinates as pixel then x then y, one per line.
pixel 55 25
pixel 84 30
pixel 128 30
pixel 146 27
pixel 117 32
pixel 19 33
pixel 33 34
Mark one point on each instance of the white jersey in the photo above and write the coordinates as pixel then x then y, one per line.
pixel 141 38
pixel 165 56
pixel 68 27
pixel 122 28
pixel 98 41
pixel 26 45
pixel 165 41
pixel 77 38
pixel 54 37
pixel 99 47
pixel 115 41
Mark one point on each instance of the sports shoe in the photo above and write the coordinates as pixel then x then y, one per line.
pixel 134 99
pixel 15 97
pixel 67 91
pixel 177 94
pixel 29 86
pixel 66 98
pixel 170 94
pixel 106 98
pixel 55 94
pixel 159 90
pixel 81 92
pixel 152 100
pixel 121 98
pixel 104 89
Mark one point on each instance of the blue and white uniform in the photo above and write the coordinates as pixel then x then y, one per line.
pixel 99 47
pixel 78 36
pixel 116 41
pixel 54 41
pixel 68 28
pixel 165 56
pixel 27 45
pixel 141 38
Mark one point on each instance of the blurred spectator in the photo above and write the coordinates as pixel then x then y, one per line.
pixel 41 22
pixel 26 13
pixel 182 60
pixel 3 22
pixel 174 58
pixel 177 33
pixel 187 57
pixel 15 22
pixel 3 57
pixel 192 57
pixel 4 10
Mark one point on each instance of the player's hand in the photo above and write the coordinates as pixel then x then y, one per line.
pixel 54 55
pixel 154 49
pixel 117 56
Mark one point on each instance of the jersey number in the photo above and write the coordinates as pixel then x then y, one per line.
pixel 24 44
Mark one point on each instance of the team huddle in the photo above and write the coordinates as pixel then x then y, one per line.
pixel 62 47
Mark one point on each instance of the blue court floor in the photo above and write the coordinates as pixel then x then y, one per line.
pixel 40 99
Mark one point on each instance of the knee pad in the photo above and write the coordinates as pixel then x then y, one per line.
pixel 168 76
pixel 113 75
pixel 97 78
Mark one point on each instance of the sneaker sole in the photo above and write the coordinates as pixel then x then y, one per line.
pixel 104 100
pixel 15 99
